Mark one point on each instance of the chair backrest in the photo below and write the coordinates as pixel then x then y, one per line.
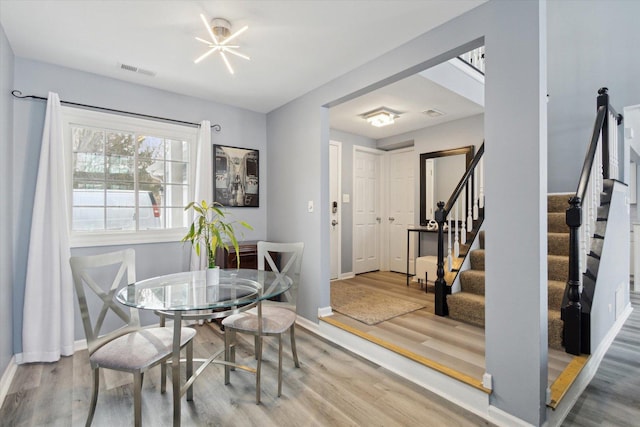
pixel 103 275
pixel 284 259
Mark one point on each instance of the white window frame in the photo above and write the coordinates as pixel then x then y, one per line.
pixel 83 117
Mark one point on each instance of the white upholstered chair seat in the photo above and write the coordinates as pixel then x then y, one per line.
pixel 151 345
pixel 275 320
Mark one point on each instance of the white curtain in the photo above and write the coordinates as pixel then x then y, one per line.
pixel 47 324
pixel 203 182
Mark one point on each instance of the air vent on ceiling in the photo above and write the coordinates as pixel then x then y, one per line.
pixel 138 70
pixel 432 112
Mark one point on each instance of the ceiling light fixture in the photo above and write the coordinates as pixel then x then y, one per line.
pixel 381 117
pixel 220 33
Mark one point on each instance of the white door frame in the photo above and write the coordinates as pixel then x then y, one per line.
pixel 338 215
pixel 383 235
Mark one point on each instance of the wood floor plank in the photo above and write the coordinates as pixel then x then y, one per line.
pixel 332 387
pixel 612 397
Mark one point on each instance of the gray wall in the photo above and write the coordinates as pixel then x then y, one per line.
pixel 591 45
pixel 299 130
pixel 240 127
pixel 6 229
pixel 348 140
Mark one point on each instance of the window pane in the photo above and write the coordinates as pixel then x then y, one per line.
pixel 177 173
pixel 124 180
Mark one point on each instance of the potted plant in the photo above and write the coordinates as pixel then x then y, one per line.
pixel 211 230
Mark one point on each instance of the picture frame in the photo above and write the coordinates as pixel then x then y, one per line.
pixel 236 176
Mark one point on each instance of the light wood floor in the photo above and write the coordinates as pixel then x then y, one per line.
pixel 454 344
pixel 332 388
pixel 612 398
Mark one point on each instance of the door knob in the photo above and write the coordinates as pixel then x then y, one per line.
pixel 391 218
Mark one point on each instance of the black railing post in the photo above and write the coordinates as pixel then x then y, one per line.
pixel 603 101
pixel 572 312
pixel 441 307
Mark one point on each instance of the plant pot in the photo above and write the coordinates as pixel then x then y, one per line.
pixel 213 276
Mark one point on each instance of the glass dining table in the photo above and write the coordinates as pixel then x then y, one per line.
pixel 188 295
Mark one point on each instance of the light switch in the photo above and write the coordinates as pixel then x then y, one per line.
pixel 310 206
pixel 345 198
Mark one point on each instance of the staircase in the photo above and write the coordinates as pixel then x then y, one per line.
pixel 468 305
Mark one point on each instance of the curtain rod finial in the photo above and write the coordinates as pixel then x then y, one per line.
pixel 216 127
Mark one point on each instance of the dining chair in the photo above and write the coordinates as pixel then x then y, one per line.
pixel 129 348
pixel 271 318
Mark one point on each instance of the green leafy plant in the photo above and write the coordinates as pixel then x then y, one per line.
pixel 211 230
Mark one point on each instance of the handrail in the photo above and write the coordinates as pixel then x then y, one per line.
pixel 463 181
pixel 591 153
pixel 441 215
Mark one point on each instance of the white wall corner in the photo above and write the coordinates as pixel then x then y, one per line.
pixel 7 378
pixel 324 311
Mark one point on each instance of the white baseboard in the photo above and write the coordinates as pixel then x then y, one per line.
pixel 349 275
pixel 7 378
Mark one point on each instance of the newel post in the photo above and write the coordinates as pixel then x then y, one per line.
pixel 441 307
pixel 603 101
pixel 572 312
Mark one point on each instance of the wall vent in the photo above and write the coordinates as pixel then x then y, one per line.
pixel 138 70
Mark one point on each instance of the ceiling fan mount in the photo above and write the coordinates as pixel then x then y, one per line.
pixel 221 28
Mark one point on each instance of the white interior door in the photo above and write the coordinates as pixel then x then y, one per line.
pixel 335 208
pixel 366 210
pixel 401 208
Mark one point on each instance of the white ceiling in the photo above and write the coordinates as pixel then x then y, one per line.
pixel 295 46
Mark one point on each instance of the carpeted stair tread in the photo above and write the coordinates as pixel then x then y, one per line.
pixel 477 259
pixel 472 281
pixel 558 202
pixel 558 244
pixel 554 329
pixel 557 222
pixel 467 307
pixel 558 267
pixel 555 293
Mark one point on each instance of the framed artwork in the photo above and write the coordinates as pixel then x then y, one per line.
pixel 236 176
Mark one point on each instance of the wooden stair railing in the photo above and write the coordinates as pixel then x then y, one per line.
pixel 601 162
pixel 472 183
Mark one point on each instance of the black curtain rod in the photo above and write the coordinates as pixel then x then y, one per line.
pixel 18 94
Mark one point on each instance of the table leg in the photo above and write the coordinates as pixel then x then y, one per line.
pixel 175 367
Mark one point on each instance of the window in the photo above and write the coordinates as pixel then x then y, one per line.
pixel 130 178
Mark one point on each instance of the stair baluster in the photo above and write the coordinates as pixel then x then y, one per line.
pixel 456 245
pixel 469 208
pixel 481 195
pixel 463 221
pixel 449 257
pixel 475 195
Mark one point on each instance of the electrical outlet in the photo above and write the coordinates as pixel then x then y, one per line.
pixel 310 206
